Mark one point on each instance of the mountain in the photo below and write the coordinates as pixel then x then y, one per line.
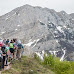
pixel 41 29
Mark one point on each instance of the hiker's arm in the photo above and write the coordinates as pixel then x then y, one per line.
pixel 21 45
pixel 2 54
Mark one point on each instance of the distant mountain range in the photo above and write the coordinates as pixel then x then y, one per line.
pixel 41 29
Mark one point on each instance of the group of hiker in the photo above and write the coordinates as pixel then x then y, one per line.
pixel 9 50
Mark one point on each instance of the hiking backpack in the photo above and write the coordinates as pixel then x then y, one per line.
pixel 11 45
pixel 3 49
pixel 19 46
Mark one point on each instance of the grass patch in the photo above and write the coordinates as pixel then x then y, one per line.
pixel 58 66
pixel 27 65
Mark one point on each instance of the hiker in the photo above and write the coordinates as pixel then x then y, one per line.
pixel 7 53
pixel 1 42
pixel 4 41
pixel 3 54
pixel 7 41
pixel 0 62
pixel 11 49
pixel 15 48
pixel 0 59
pixel 19 51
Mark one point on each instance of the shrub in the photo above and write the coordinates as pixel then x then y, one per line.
pixel 58 66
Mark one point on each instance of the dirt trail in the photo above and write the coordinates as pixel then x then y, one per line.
pixel 6 67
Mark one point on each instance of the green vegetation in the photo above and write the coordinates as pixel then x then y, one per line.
pixel 57 66
pixel 27 65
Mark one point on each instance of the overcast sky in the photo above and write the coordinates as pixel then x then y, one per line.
pixel 58 5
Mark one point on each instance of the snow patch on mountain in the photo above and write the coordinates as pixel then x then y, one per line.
pixel 16 29
pixel 57 41
pixel 65 26
pixel 53 52
pixel 7 18
pixel 18 25
pixel 60 28
pixel 72 19
pixel 39 55
pixel 64 52
pixel 2 32
pixel 32 42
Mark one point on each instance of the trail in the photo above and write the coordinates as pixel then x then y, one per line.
pixel 6 67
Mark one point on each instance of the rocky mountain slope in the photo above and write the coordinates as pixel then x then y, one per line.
pixel 41 29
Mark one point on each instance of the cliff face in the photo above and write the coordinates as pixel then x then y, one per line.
pixel 40 28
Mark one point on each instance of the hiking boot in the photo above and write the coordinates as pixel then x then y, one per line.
pixel 6 65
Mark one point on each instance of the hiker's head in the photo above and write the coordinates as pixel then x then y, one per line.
pixel 14 40
pixel 11 41
pixel 19 41
pixel 7 39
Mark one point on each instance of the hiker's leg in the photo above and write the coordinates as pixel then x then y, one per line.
pixel 6 59
pixel 9 54
pixel 12 55
pixel 15 54
pixel 3 62
pixel 12 52
pixel 0 63
pixel 18 53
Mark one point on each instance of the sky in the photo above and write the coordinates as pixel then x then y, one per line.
pixel 58 5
